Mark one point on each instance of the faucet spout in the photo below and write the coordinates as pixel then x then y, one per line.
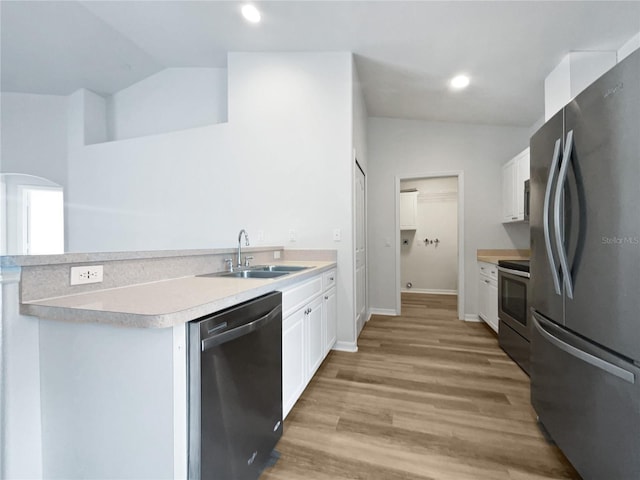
pixel 246 238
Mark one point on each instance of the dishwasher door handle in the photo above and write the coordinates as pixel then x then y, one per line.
pixel 229 335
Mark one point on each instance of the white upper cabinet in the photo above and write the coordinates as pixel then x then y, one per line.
pixel 514 174
pixel 408 210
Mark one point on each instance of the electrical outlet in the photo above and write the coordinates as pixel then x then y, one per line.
pixel 337 235
pixel 86 274
pixel 293 235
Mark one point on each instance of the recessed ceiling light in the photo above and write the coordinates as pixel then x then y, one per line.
pixel 459 82
pixel 251 13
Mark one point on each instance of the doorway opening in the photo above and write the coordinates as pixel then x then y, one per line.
pixel 429 225
pixel 31 215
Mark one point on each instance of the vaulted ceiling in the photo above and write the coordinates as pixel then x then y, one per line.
pixel 405 51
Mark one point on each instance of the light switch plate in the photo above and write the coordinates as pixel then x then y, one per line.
pixel 86 274
pixel 337 235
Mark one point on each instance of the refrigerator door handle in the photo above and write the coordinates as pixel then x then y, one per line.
pixel 545 215
pixel 597 362
pixel 562 178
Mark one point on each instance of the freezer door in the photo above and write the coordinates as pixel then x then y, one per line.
pixel 602 218
pixel 545 284
pixel 589 402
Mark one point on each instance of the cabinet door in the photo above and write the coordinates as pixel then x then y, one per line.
pixel 522 174
pixel 483 294
pixel 508 207
pixel 315 343
pixel 408 210
pixel 492 307
pixel 293 359
pixel 330 314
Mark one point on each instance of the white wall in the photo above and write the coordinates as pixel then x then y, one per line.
pixel 291 128
pixel 34 135
pixel 283 162
pixel 433 267
pixel 20 426
pixel 118 404
pixel 172 99
pixel 413 148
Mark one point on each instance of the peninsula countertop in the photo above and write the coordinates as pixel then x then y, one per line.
pixel 165 303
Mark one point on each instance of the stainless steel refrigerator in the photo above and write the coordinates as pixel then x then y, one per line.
pixel 585 276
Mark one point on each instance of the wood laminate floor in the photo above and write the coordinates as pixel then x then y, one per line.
pixel 425 397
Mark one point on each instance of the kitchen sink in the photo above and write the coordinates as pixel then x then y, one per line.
pixel 260 271
pixel 254 274
pixel 279 268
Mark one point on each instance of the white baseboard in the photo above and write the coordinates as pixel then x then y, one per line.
pixel 432 291
pixel 383 311
pixel 345 346
pixel 472 317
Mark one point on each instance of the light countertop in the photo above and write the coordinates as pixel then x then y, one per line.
pixel 165 303
pixel 492 256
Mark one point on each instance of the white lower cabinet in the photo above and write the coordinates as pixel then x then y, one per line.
pixel 330 313
pixel 293 362
pixel 488 294
pixel 315 346
pixel 308 333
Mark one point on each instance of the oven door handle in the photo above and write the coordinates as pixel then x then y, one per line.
pixel 229 335
pixel 517 273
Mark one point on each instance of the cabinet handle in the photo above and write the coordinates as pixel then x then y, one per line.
pixel 310 310
pixel 486 281
pixel 326 297
pixel 514 218
pixel 331 278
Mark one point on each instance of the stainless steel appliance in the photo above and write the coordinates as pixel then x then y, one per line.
pixel 527 197
pixel 235 390
pixel 513 296
pixel 585 276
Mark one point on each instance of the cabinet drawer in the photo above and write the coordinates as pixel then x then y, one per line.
pixel 490 281
pixel 329 279
pixel 489 270
pixel 296 296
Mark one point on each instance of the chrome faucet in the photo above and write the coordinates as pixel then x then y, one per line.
pixel 246 238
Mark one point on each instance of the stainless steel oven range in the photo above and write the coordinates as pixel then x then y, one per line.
pixel 514 330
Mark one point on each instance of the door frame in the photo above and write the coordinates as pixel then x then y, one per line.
pixel 367 314
pixel 459 174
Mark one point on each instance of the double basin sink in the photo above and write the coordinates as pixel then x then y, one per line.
pixel 261 271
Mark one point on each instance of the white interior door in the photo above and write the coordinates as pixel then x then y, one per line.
pixel 361 251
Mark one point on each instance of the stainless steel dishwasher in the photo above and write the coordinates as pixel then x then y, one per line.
pixel 235 390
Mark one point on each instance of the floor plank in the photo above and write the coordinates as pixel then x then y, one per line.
pixel 425 397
